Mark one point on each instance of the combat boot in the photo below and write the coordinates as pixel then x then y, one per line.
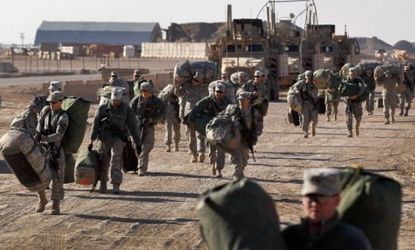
pixel 42 202
pixel 387 121
pixel 201 157
pixel 401 113
pixel 219 174
pixel 305 134
pixel 357 130
pixel 194 158
pixel 213 169
pixel 116 189
pixel 103 187
pixel 406 112
pixel 393 119
pixel 176 147
pixel 328 118
pixel 167 148
pixel 335 117
pixel 313 131
pixel 55 207
pixel 350 133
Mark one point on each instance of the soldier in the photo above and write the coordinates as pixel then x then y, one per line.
pixel 51 127
pixel 308 94
pixel 193 92
pixel 211 106
pixel 371 86
pixel 390 97
pixel 251 125
pixel 172 119
pixel 115 81
pixel 257 87
pixel 137 80
pixel 332 98
pixel 112 122
pixel 405 98
pixel 149 110
pixel 354 103
pixel 242 78
pixel 321 227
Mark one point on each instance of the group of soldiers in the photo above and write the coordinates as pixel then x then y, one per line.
pixel 365 85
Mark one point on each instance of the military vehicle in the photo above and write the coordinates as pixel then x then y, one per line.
pixel 282 49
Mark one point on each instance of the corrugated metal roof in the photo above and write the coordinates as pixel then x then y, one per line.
pixel 97 26
pixel 96 32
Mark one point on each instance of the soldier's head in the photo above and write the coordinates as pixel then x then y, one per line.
pixel 136 74
pixel 235 77
pixel 220 89
pixel 321 194
pixel 224 76
pixel 146 90
pixel 369 73
pixel 244 98
pixel 116 96
pixel 55 100
pixel 197 78
pixel 352 73
pixel 55 86
pixel 242 78
pixel 114 75
pixel 300 77
pixel 406 68
pixel 387 74
pixel 308 75
pixel 259 76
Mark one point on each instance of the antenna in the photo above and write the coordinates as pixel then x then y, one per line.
pixel 22 37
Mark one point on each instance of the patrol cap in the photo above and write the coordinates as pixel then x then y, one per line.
pixel 146 86
pixel 220 86
pixel 117 93
pixel 352 70
pixel 113 73
pixel 136 72
pixel 244 94
pixel 322 181
pixel 241 74
pixel 235 77
pixel 55 85
pixel 308 74
pixel 55 96
pixel 224 74
pixel 259 73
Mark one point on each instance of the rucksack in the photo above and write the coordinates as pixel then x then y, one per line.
pixel 239 215
pixel 224 131
pixel 372 203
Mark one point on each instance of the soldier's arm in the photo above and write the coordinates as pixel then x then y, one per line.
pixel 160 111
pixel 40 121
pixel 198 109
pixel 258 123
pixel 61 127
pixel 96 124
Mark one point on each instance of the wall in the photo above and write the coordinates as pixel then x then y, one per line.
pixel 175 50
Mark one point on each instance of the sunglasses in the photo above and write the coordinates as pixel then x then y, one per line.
pixel 257 76
pixel 218 91
pixel 54 102
pixel 317 198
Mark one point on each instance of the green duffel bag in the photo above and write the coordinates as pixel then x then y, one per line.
pixel 239 215
pixel 199 124
pixel 372 203
pixel 69 168
pixel 321 78
pixel 77 110
pixel 348 89
pixel 87 168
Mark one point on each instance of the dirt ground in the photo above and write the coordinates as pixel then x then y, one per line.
pixel 158 211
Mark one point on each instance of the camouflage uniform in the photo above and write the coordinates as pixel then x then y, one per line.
pixel 251 87
pixel 51 128
pixel 390 99
pixel 251 122
pixel 308 93
pixel 406 97
pixel 148 112
pixel 192 94
pixel 332 97
pixel 354 107
pixel 111 126
pixel 172 120
pixel 371 86
pixel 211 106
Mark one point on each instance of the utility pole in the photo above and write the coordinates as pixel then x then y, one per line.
pixel 22 37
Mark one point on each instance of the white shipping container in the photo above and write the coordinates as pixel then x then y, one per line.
pixel 70 50
pixel 128 51
pixel 175 50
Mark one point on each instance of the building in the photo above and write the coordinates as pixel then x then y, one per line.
pixel 110 35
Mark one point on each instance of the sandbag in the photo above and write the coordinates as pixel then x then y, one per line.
pixel 239 215
pixel 130 162
pixel 184 71
pixel 77 110
pixel 69 168
pixel 87 167
pixel 294 101
pixel 222 131
pixel 26 158
pixel 372 203
pixel 321 78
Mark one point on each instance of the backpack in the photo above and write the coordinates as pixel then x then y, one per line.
pixel 261 104
pixel 372 203
pixel 239 215
pixel 224 131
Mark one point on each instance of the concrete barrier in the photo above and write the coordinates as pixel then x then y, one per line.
pixel 85 89
pixel 160 80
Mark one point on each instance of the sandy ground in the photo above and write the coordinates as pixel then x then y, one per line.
pixel 158 211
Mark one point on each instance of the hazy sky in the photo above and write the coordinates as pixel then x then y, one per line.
pixel 388 20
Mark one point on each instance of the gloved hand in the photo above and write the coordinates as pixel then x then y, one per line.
pixel 90 146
